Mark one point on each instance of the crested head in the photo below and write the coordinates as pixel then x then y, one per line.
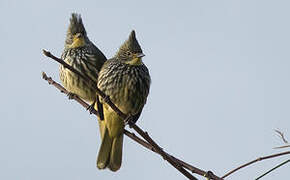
pixel 130 52
pixel 76 31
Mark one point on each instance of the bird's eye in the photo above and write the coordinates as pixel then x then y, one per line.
pixel 128 53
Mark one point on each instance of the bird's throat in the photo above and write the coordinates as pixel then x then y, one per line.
pixel 135 62
pixel 78 42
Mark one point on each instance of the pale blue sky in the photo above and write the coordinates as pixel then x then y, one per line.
pixel 220 86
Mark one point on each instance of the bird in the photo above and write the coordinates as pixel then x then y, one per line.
pixel 125 79
pixel 85 57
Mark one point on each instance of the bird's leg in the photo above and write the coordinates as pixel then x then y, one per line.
pixel 70 95
pixel 91 108
pixel 129 120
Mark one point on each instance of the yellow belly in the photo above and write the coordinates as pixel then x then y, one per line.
pixel 76 85
pixel 113 121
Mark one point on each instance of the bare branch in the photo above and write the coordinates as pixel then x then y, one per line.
pixel 130 134
pixel 159 150
pixel 63 90
pixel 184 164
pixel 281 135
pixel 282 147
pixel 150 144
pixel 124 116
pixel 281 164
pixel 89 79
pixel 256 160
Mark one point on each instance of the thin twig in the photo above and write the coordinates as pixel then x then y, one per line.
pixel 124 116
pixel 281 135
pixel 282 147
pixel 254 161
pixel 285 162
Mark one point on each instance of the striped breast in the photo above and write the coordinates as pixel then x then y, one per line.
pixel 86 62
pixel 126 85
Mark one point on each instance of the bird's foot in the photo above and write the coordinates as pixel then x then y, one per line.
pixel 106 99
pixel 129 120
pixel 208 175
pixel 91 108
pixel 70 95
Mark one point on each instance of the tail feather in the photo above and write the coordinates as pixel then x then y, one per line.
pixel 105 150
pixel 116 153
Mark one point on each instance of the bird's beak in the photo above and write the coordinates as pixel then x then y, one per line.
pixel 79 35
pixel 139 55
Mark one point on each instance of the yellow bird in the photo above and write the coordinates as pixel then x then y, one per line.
pixel 126 80
pixel 84 56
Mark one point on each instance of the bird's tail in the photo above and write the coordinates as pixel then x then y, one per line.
pixel 110 153
pixel 116 153
pixel 105 149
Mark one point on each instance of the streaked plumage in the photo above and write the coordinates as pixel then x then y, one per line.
pixel 126 80
pixel 84 56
